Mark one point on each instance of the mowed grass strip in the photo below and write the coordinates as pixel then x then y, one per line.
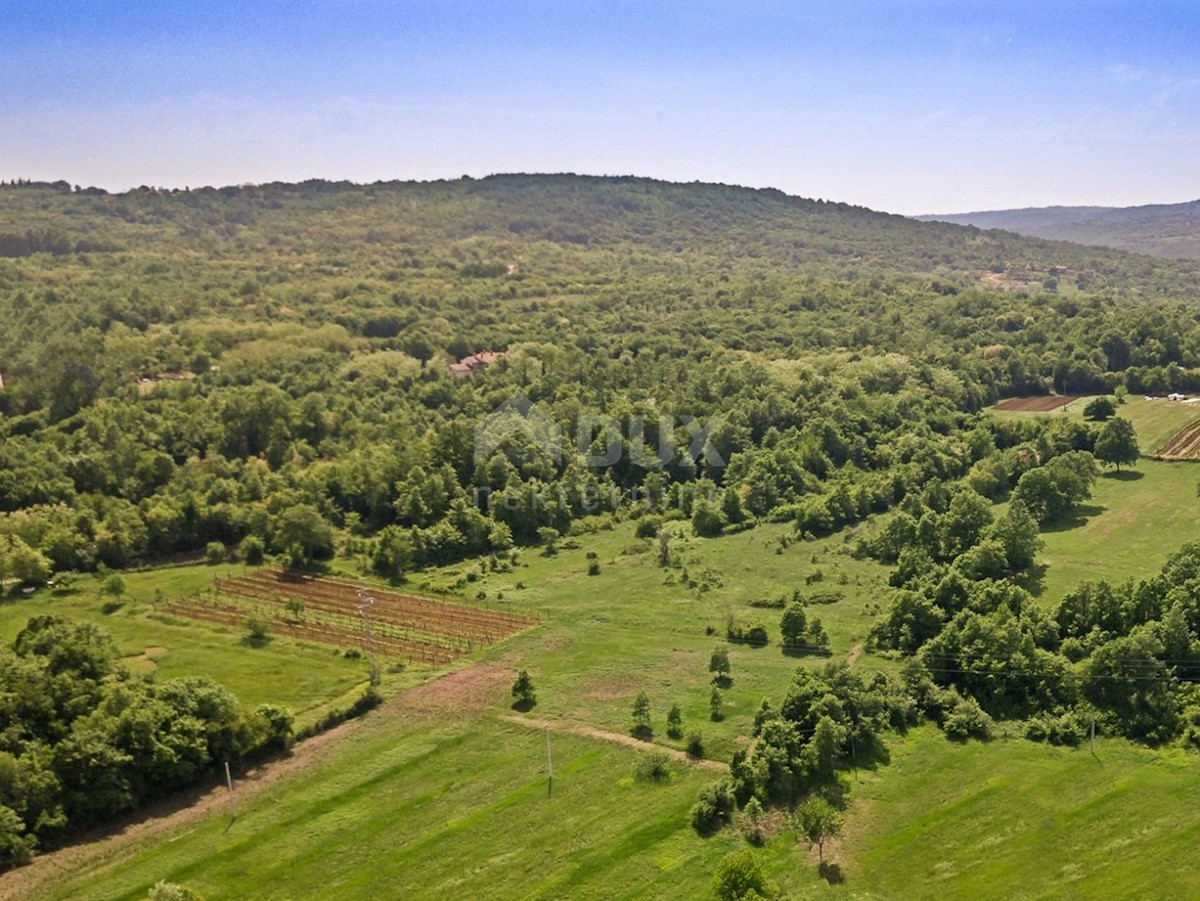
pixel 1014 819
pixel 451 810
pixel 1133 522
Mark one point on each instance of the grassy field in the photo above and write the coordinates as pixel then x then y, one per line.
pixel 1134 521
pixel 1136 518
pixel 1016 819
pixel 436 810
pixel 636 626
pixel 302 676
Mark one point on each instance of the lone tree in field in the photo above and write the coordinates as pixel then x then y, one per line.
pixel 258 630
pixel 641 717
pixel 1117 443
pixel 793 625
pixel 718 665
pixel 714 704
pixel 1099 409
pixel 817 821
pixel 674 722
pixel 523 694
pixel 114 586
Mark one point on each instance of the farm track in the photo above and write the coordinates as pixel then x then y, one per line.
pixel 618 738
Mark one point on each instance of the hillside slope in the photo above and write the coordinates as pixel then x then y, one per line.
pixel 1163 230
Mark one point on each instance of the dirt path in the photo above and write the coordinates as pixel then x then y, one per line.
pixel 466 690
pixel 616 737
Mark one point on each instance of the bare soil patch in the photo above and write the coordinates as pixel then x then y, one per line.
pixel 1041 404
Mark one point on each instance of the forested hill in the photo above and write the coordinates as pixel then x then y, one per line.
pixel 269 364
pixel 1164 230
pixel 665 223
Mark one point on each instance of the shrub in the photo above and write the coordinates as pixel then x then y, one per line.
pixel 16 848
pixel 653 767
pixel 258 630
pixel 214 553
pixel 967 720
pixel 713 807
pixel 752 822
pixel 593 568
pixel 753 633
pixel 740 875
pixel 1071 728
pixel 170 891
pixel 252 550
pixel 695 746
pixel 647 527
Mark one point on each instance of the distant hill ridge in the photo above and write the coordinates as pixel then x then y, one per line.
pixel 1170 230
pixel 669 223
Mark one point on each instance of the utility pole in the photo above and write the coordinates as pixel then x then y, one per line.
pixel 232 796
pixel 549 766
pixel 365 603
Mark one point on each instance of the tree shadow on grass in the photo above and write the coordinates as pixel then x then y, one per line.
pixel 1124 475
pixel 1034 580
pixel 524 705
pixel 831 873
pixel 800 650
pixel 1078 517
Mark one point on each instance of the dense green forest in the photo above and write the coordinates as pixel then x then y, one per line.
pixel 260 372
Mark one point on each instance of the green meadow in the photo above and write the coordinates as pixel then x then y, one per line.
pixel 302 676
pixel 1135 518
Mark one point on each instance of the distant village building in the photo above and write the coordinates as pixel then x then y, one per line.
pixel 474 363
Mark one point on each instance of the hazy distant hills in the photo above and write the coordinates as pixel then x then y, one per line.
pixel 1165 230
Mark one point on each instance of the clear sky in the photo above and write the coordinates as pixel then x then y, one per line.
pixel 904 106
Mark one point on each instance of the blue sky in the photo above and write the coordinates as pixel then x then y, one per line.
pixel 904 106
